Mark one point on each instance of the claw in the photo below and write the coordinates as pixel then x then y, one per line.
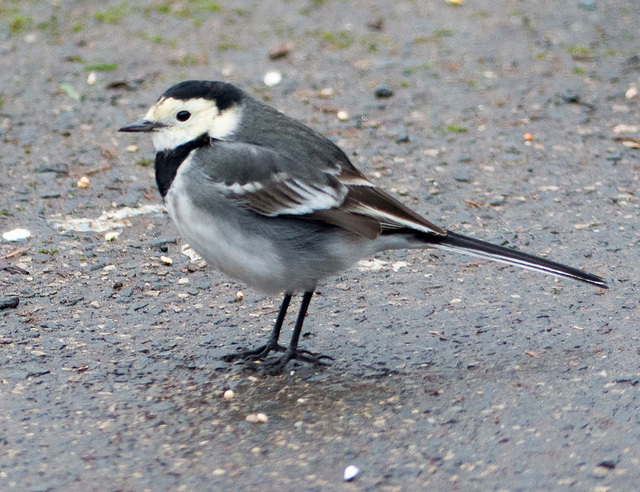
pixel 277 366
pixel 256 354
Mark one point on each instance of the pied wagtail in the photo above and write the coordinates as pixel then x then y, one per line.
pixel 277 206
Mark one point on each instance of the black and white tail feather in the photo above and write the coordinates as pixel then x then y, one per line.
pixel 475 247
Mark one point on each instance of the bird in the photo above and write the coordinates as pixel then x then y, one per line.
pixel 274 204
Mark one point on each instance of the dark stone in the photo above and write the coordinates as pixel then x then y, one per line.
pixel 587 5
pixel 383 91
pixel 9 302
pixel 570 96
pixel 614 156
pixel 609 463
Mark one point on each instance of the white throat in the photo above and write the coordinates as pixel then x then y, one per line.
pixel 217 125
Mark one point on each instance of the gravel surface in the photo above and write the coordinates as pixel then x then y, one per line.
pixel 496 118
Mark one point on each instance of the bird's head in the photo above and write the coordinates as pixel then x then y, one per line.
pixel 189 110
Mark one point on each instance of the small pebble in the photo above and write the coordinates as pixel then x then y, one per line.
pixel 183 281
pixel 343 115
pixel 610 463
pixel 587 5
pixel 599 472
pixel 111 236
pixel 166 260
pixel 257 418
pixel 326 93
pixel 16 235
pixel 272 78
pixel 376 24
pixel 614 156
pixel 431 152
pixel 383 91
pixel 350 472
pixel 570 96
pixel 528 137
pixel 228 395
pixel 91 78
pixel 83 182
pixel 631 93
pixel 281 51
pixel 131 148
pixel 9 302
pixel 239 295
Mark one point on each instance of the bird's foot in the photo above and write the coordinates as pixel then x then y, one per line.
pixel 256 354
pixel 278 365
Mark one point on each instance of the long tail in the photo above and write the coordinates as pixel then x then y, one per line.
pixel 475 247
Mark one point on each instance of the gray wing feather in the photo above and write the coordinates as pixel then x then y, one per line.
pixel 267 182
pixel 272 184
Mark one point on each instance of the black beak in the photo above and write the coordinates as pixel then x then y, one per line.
pixel 141 126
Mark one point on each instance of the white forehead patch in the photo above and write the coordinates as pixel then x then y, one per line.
pixel 205 118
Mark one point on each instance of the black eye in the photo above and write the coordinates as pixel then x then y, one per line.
pixel 183 115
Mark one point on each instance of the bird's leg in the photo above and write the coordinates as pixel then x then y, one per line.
pixel 272 344
pixel 292 352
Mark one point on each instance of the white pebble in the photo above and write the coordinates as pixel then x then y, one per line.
pixel 228 395
pixel 326 93
pixel 350 472
pixel 16 235
pixel 343 115
pixel 91 78
pixel 257 418
pixel 431 152
pixel 272 78
pixel 631 93
pixel 131 148
pixel 83 182
pixel 183 281
pixel 239 295
pixel 166 260
pixel 111 236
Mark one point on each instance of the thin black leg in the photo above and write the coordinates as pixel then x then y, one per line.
pixel 275 333
pixel 293 344
pixel 293 352
pixel 272 344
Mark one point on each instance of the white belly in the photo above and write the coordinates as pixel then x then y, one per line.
pixel 271 255
pixel 225 246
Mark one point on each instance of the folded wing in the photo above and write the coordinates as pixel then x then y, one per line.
pixel 268 183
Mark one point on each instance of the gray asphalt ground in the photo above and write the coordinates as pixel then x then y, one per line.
pixel 450 373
